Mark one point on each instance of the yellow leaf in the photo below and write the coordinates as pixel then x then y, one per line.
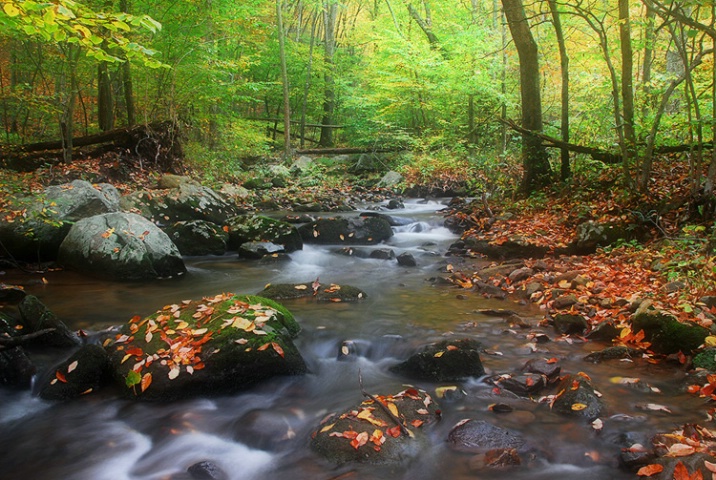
pixel 327 427
pixel 11 10
pixel 439 354
pixel 393 409
pixel 578 406
pixel 199 331
pixel 441 391
pixel 710 341
pixel 301 287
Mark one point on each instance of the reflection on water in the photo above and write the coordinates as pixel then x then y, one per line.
pixel 264 432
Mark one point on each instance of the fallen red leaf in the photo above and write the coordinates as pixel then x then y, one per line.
pixel 649 470
pixel 60 376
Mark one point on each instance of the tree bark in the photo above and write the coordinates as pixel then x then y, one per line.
pixel 330 11
pixel 629 144
pixel 127 84
pixel 565 170
pixel 284 80
pixel 105 103
pixel 536 166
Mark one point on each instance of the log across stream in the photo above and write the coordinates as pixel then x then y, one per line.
pixel 265 432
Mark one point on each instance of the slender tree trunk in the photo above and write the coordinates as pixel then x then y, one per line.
pixel 284 81
pixel 649 38
pixel 105 103
pixel 711 176
pixel 307 85
pixel 537 170
pixel 67 95
pixel 128 87
pixel 330 11
pixel 564 69
pixel 629 147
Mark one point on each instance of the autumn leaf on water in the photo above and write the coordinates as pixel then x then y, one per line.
pixel 146 381
pixel 649 470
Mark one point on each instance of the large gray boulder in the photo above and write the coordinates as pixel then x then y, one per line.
pixel 33 227
pixel 120 246
pixel 219 344
pixel 198 237
pixel 258 228
pixel 347 231
pixel 188 201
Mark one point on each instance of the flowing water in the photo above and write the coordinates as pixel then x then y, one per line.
pixel 265 432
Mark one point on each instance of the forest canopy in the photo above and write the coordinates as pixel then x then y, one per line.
pixel 616 80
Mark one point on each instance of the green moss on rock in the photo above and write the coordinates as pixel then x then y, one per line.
pixel 667 335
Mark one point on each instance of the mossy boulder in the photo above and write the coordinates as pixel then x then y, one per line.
pixel 215 345
pixel 258 228
pixel 322 293
pixel 666 334
pixel 347 231
pixel 706 359
pixel 35 316
pixel 446 361
pixel 366 433
pixel 198 237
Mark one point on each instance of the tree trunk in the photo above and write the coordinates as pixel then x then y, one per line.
pixel 629 144
pixel 307 85
pixel 127 85
pixel 649 38
pixel 536 166
pixel 284 81
pixel 330 11
pixel 105 103
pixel 564 69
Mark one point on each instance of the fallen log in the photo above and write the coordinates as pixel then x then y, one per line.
pixel 156 143
pixel 599 154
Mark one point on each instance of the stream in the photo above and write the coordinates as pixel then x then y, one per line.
pixel 264 432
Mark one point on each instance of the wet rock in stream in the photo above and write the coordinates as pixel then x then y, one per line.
pixel 446 361
pixel 576 397
pixel 322 293
pixel 367 433
pixel 86 371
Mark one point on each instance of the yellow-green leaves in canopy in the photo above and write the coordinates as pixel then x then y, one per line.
pixel 99 34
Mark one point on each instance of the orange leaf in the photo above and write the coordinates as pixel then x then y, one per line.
pixel 360 440
pixel 263 347
pixel 146 381
pixel 394 431
pixel 60 376
pixel 649 470
pixel 417 423
pixel 278 349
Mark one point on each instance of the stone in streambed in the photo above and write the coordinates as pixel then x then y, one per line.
pixel 666 334
pixel 215 345
pixel 86 371
pixel 198 237
pixel 366 433
pixel 35 316
pixel 349 231
pixel 323 293
pixel 576 397
pixel 446 361
pixel 258 228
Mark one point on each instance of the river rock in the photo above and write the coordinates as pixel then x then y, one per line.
pixel 446 361
pixel 38 231
pixel 16 368
pixel 349 231
pixel 367 434
pixel 86 371
pixel 198 237
pixel 258 228
pixel 510 249
pixel 568 324
pixel 576 397
pixel 666 334
pixel 390 179
pixel 11 294
pixel 591 235
pixel 35 316
pixel 406 259
pixel 169 180
pixel 477 436
pixel 612 353
pixel 258 250
pixel 323 293
pixel 215 345
pixel 206 470
pixel 120 246
pixel 523 384
pixel 382 254
pixel 541 366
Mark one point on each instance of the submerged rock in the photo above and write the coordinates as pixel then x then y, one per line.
pixel 120 246
pixel 577 397
pixel 215 345
pixel 16 368
pixel 478 436
pixel 366 433
pixel 445 361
